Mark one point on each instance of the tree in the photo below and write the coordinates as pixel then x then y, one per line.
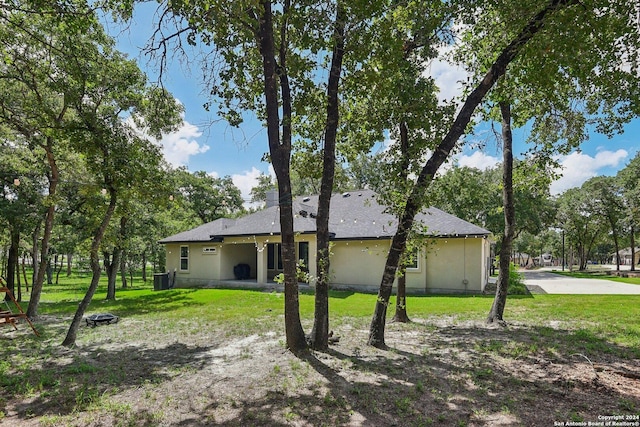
pixel 20 200
pixel 579 217
pixel 115 158
pixel 608 203
pixel 209 197
pixel 364 171
pixel 562 92
pixel 320 333
pixel 122 162
pixel 392 96
pixel 502 285
pixel 259 61
pixel 415 199
pixel 113 258
pixel 265 184
pixel 628 178
pixel 470 194
pixel 270 66
pixel 35 93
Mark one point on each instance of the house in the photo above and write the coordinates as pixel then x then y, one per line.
pixel 625 256
pixel 455 257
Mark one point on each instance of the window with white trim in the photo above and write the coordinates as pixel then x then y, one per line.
pixel 413 259
pixel 184 258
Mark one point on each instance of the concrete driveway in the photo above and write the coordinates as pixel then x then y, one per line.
pixel 541 281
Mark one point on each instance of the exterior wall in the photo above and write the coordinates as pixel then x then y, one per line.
pixel 358 263
pixel 457 265
pixel 417 277
pixel 209 268
pixel 204 268
pixel 449 265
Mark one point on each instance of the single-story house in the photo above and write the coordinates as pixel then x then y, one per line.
pixel 455 257
pixel 625 256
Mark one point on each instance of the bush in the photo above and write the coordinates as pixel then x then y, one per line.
pixel 516 282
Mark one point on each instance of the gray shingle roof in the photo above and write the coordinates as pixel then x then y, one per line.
pixel 354 215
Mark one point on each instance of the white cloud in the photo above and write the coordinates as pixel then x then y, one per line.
pixel 448 76
pixel 478 160
pixel 179 146
pixel 577 167
pixel 246 180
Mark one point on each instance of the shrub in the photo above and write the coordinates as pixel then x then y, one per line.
pixel 516 282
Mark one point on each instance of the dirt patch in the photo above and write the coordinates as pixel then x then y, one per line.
pixel 436 371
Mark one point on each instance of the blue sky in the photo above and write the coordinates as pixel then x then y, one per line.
pixel 206 143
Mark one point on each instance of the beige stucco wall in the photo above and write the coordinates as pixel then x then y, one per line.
pixel 204 268
pixel 358 262
pixel 445 266
pixel 209 269
pixel 456 265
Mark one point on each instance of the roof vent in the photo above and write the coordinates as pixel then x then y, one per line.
pixel 346 195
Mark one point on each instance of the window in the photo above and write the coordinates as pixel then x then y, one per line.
pixel 184 258
pixel 274 256
pixel 413 258
pixel 211 250
pixel 303 254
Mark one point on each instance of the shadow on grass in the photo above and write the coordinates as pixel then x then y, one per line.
pixel 455 378
pixel 75 381
pixel 124 304
pixel 452 375
pixel 458 379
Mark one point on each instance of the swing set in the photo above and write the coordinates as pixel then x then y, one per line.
pixel 8 316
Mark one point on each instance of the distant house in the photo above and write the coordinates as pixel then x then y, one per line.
pixel 625 256
pixel 455 259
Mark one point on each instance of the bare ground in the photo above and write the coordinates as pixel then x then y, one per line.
pixel 437 371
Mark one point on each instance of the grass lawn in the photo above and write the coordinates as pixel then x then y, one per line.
pixel 216 357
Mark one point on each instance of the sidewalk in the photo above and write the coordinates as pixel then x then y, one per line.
pixel 544 281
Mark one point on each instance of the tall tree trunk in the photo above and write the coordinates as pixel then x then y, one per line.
pixel 401 298
pixel 320 333
pixel 144 265
pixel 123 270
pixel 122 238
pixel 3 262
pixel 401 293
pixel 69 264
pixel 280 150
pixel 70 339
pixel 12 261
pixel 24 275
pixel 54 178
pixel 18 281
pixel 500 300
pixel 35 238
pixel 440 154
pixel 633 248
pixel 49 272
pixel 616 244
pixel 59 268
pixel 111 264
